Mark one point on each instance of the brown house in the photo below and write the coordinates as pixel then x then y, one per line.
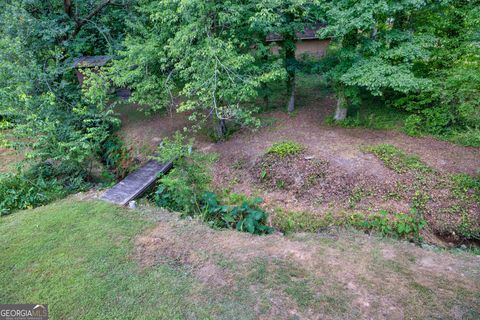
pixel 308 42
pixel 89 62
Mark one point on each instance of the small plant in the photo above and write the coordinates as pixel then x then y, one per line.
pixel 397 160
pixel 420 200
pixel 301 221
pixel 403 225
pixel 245 217
pixel 286 148
pixel 465 185
pixel 186 190
pixel 356 196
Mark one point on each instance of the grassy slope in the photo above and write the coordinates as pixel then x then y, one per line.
pixel 80 258
pixel 75 256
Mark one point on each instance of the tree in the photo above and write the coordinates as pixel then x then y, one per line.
pixel 54 123
pixel 202 51
pixel 376 49
pixel 286 19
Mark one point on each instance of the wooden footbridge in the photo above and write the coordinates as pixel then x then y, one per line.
pixel 136 183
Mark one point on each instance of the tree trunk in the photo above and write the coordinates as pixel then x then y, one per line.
pixel 67 7
pixel 265 93
pixel 291 92
pixel 290 65
pixel 220 128
pixel 341 112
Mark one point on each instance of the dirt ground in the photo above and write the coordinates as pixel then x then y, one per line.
pixel 354 180
pixel 143 132
pixel 331 275
pixel 351 171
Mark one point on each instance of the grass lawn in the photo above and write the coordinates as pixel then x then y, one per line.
pixel 92 260
pixel 75 256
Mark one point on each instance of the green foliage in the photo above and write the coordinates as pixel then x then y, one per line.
pixel 116 156
pixel 413 125
pixel 422 56
pixel 200 50
pixel 371 114
pixel 285 148
pixel 180 190
pixel 37 186
pixel 397 160
pixel 403 225
pixel 185 189
pixel 289 221
pixel 469 137
pixel 54 122
pixel 465 185
pixel 18 193
pixel 245 217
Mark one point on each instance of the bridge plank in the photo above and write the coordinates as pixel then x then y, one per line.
pixel 136 183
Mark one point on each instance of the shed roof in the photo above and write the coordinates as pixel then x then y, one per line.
pixel 308 33
pixel 91 61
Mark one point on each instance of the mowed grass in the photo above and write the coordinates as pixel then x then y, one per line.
pixel 76 257
pixel 80 258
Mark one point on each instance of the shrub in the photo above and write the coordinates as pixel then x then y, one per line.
pixel 245 217
pixel 18 192
pixel 186 190
pixel 413 125
pixel 187 181
pixel 116 156
pixel 469 137
pixel 285 148
pixel 39 185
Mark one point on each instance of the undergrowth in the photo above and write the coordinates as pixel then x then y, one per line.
pixel 393 224
pixel 397 160
pixel 285 148
pixel 186 189
pixel 37 186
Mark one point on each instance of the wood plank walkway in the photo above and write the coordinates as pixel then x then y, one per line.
pixel 136 183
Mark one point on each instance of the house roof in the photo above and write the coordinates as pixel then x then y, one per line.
pixel 91 61
pixel 308 33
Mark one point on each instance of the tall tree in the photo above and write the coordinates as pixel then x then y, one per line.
pixel 53 121
pixel 377 47
pixel 200 50
pixel 286 19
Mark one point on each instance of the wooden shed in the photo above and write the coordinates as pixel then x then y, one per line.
pixel 92 62
pixel 89 62
pixel 308 42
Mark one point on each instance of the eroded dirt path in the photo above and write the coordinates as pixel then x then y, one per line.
pixel 334 275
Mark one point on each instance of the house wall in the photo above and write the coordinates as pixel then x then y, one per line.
pixel 314 48
pixel 80 77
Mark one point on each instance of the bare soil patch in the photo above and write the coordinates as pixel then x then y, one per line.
pixel 350 179
pixel 143 133
pixel 334 275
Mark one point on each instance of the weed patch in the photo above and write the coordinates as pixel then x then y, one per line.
pixel 300 221
pixel 397 224
pixel 186 189
pixel 286 148
pixel 397 160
